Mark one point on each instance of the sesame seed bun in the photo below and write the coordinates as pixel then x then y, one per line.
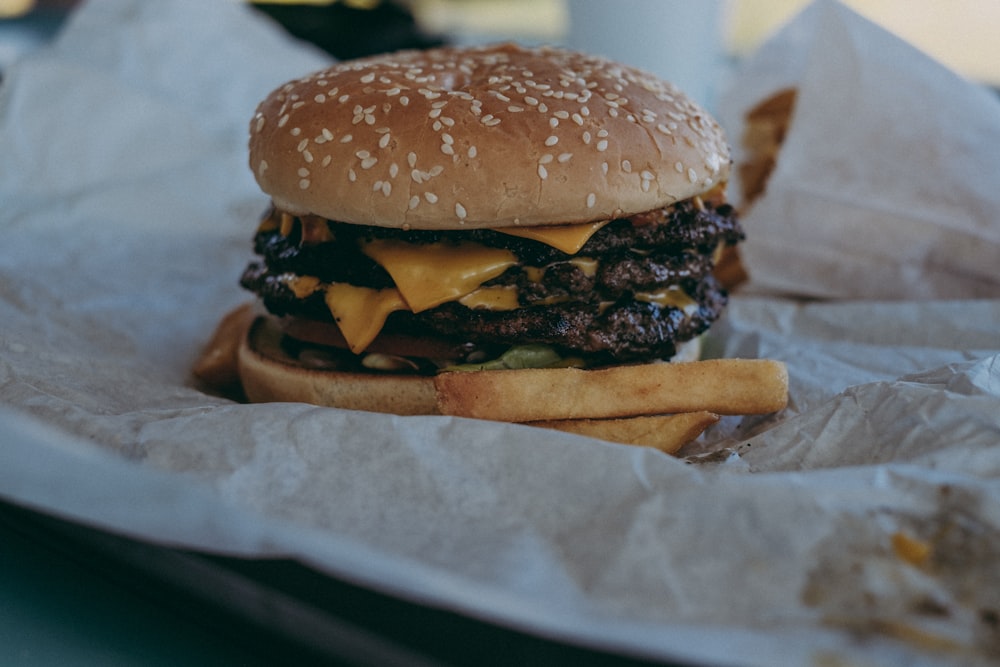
pixel 489 137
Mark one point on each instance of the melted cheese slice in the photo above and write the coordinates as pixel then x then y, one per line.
pixel 360 312
pixel 671 296
pixel 568 238
pixel 500 297
pixel 434 273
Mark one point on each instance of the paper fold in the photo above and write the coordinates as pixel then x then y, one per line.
pixel 884 185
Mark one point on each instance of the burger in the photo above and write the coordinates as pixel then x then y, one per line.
pixel 465 211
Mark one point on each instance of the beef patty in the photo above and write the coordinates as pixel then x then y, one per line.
pixel 604 302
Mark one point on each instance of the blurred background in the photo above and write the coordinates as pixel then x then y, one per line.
pixel 695 43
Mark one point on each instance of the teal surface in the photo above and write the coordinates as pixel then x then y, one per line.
pixel 56 610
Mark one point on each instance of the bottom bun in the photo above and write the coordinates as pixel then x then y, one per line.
pixel 269 374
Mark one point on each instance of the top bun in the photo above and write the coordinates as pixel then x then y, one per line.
pixel 488 137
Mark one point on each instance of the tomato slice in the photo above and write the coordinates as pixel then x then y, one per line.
pixel 328 333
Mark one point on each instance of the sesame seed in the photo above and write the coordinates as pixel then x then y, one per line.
pixel 679 167
pixel 260 123
pixel 545 159
pixel 430 197
pixel 346 138
pixel 369 162
pixel 648 175
pixel 626 166
pixel 320 98
pixel 392 92
pixel 602 145
pixel 692 175
pixel 411 159
pixel 552 140
pixel 404 100
pixel 302 145
pixel 553 123
pixel 296 131
pixel 586 138
pixel 304 183
pixel 327 134
pixel 327 160
pixel 447 138
pixel 307 156
pixel 362 154
pixel 564 157
pixel 352 175
pixel 591 200
pixel 604 168
pixel 447 149
pixel 414 202
pixel 543 173
pixel 384 141
pixel 262 167
pixel 368 78
pixel 472 151
pixel 460 211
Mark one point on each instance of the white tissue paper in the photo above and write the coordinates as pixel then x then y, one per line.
pixel 859 525
pixel 885 186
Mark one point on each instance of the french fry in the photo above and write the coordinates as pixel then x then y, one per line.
pixel 216 365
pixel 763 135
pixel 722 386
pixel 667 433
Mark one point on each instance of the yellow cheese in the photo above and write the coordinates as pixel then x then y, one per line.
pixel 502 297
pixel 302 286
pixel 588 265
pixel 434 273
pixel 671 296
pixel 534 273
pixel 568 238
pixel 360 312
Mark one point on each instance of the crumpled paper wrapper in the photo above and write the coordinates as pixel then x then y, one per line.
pixel 859 526
pixel 885 185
